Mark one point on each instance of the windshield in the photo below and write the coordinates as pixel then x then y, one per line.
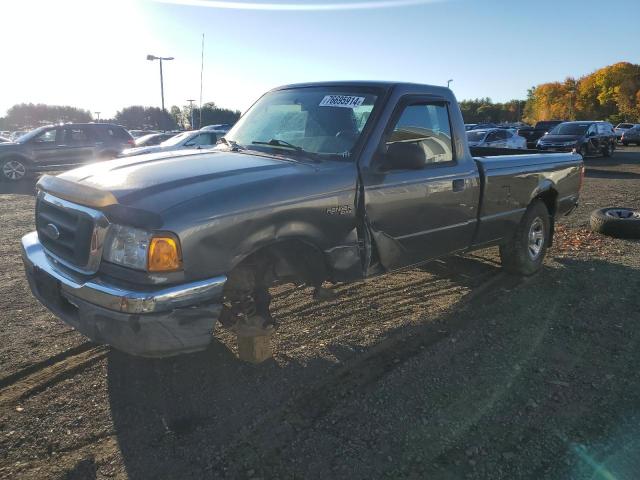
pixel 545 125
pixel 476 135
pixel 29 135
pixel 570 129
pixel 177 139
pixel 327 121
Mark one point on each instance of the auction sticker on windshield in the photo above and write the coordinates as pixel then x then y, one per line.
pixel 345 101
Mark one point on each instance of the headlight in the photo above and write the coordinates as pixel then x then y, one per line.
pixel 127 246
pixel 142 250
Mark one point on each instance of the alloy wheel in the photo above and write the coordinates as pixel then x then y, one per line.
pixel 14 170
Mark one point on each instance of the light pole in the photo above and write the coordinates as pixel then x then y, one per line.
pixel 449 81
pixel 152 58
pixel 98 116
pixel 191 100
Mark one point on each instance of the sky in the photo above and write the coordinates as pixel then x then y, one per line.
pixel 92 54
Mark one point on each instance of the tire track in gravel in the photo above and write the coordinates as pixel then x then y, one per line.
pixel 41 375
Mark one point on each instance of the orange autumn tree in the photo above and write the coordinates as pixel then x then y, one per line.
pixel 610 93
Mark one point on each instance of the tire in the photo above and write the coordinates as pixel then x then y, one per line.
pixel 525 252
pixel 616 222
pixel 13 169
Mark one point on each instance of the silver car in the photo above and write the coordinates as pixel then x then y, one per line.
pixel 496 138
pixel 621 128
pixel 194 139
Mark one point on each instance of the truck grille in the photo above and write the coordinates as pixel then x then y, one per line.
pixel 73 234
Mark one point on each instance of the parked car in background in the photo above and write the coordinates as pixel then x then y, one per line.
pixel 631 135
pixel 58 147
pixel 586 138
pixel 533 134
pixel 153 139
pixel 140 133
pixel 186 140
pixel 621 128
pixel 15 135
pixel 4 140
pixel 495 138
pixel 220 127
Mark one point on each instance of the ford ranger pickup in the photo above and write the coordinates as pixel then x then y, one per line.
pixel 319 182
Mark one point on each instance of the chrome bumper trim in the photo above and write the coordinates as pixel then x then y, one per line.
pixel 116 298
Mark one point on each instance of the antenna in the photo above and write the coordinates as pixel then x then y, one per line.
pixel 201 69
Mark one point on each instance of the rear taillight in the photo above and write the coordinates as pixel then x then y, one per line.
pixel 131 142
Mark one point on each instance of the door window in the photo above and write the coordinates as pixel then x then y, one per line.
pixel 48 137
pixel 77 136
pixel 428 126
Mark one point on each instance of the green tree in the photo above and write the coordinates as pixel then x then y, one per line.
pixel 33 115
pixel 137 117
pixel 211 115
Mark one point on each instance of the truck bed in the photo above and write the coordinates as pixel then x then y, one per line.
pixel 509 182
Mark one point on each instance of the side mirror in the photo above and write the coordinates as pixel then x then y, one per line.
pixel 405 156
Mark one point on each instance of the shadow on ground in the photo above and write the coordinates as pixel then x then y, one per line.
pixel 541 383
pixel 174 417
pixel 22 187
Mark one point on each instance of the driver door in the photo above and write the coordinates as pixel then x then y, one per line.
pixel 48 147
pixel 420 213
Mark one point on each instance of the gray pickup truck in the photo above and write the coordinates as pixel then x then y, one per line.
pixel 317 182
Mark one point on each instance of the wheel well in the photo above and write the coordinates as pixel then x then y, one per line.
pixel 15 156
pixel 550 199
pixel 291 260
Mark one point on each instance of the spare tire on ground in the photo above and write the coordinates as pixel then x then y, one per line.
pixel 616 222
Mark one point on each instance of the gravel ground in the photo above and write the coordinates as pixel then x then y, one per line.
pixel 447 371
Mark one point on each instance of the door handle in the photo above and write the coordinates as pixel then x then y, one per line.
pixel 458 184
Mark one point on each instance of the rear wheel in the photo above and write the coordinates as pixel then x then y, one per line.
pixel 13 169
pixel 525 252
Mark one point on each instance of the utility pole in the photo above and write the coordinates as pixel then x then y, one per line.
pixel 152 58
pixel 449 81
pixel 191 100
pixel 98 116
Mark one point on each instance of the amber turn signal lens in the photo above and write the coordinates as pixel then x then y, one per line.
pixel 164 255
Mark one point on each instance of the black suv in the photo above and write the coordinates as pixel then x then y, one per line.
pixel 532 134
pixel 586 137
pixel 57 147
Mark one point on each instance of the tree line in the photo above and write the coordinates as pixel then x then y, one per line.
pixel 135 117
pixel 611 93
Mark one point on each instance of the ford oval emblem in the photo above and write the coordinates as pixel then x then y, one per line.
pixel 52 231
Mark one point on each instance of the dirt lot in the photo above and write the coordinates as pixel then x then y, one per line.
pixel 450 371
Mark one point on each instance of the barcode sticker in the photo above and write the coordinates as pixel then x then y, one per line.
pixel 345 101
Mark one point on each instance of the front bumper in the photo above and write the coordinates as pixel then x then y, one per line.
pixel 556 148
pixel 152 323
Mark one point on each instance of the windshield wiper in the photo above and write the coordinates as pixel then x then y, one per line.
pixel 231 144
pixel 276 142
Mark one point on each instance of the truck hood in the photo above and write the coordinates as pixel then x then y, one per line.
pixel 158 182
pixel 142 150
